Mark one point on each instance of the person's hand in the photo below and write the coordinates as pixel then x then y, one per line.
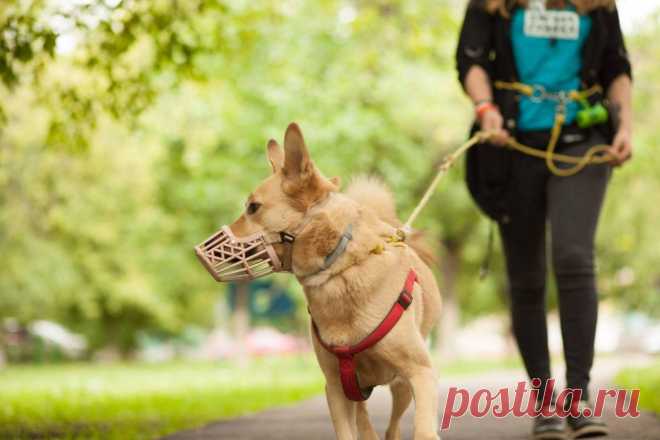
pixel 491 121
pixel 621 149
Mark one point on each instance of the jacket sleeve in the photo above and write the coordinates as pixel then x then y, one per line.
pixel 475 42
pixel 615 60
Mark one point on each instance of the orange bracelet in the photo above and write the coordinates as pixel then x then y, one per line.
pixel 483 108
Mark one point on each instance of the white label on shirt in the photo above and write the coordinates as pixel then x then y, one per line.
pixel 543 23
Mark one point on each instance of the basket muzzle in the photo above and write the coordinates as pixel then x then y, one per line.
pixel 231 258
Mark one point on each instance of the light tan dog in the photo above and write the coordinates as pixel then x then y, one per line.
pixel 350 298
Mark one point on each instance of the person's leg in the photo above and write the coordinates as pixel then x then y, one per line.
pixel 574 204
pixel 523 240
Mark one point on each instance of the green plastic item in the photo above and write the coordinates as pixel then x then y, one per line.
pixel 592 115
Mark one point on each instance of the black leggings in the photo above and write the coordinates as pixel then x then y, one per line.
pixel 571 207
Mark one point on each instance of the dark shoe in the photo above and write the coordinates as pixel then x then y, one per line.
pixel 586 425
pixel 548 428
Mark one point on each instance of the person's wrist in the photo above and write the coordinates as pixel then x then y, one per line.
pixel 625 128
pixel 625 121
pixel 483 107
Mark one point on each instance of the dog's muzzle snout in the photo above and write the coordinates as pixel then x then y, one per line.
pixel 231 258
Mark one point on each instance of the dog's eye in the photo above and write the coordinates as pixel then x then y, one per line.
pixel 253 207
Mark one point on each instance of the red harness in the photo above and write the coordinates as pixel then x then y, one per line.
pixel 345 353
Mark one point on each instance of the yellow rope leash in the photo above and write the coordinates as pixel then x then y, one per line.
pixel 596 155
pixel 447 163
pixel 528 90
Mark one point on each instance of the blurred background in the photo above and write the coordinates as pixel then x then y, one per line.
pixel 130 130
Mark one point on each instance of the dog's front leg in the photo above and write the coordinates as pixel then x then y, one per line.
pixel 342 411
pixel 365 429
pixel 425 392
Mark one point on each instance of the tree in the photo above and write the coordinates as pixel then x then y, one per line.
pixel 121 152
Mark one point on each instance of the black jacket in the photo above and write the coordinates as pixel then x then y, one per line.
pixel 485 40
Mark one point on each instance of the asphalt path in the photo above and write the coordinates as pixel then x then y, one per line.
pixel 310 420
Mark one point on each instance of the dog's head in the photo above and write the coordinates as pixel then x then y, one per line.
pixel 276 213
pixel 280 202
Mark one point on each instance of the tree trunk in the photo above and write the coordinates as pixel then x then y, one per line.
pixel 450 313
pixel 241 322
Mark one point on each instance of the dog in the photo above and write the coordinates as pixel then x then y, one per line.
pixel 349 297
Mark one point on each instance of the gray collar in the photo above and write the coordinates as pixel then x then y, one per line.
pixel 338 251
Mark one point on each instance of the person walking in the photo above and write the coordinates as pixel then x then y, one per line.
pixel 532 68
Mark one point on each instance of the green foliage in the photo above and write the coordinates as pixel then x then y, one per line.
pixel 647 380
pixel 25 39
pixel 628 252
pixel 120 154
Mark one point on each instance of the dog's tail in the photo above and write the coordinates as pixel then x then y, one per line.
pixel 420 244
pixel 373 193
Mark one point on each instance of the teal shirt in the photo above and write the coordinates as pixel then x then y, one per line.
pixel 553 63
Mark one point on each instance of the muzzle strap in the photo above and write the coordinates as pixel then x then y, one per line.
pixel 287 241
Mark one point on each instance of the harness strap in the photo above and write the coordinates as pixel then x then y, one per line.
pixel 345 353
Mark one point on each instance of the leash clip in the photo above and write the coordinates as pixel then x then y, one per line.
pixel 539 93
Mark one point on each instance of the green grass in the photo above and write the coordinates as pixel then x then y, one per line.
pixel 647 380
pixel 138 401
pixel 144 401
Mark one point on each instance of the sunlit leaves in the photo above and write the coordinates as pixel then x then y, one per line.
pixel 125 148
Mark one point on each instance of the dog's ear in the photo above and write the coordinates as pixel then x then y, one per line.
pixel 275 155
pixel 336 181
pixel 302 181
pixel 297 163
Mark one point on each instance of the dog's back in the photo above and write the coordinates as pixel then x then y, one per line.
pixel 374 194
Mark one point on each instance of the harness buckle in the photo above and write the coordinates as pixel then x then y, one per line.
pixel 405 299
